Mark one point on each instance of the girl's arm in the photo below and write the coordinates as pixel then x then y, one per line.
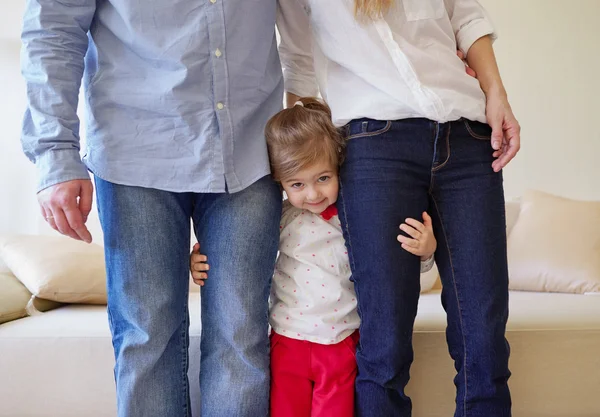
pixel 419 240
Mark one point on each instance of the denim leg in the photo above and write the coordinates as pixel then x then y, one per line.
pixel 469 222
pixel 239 233
pixel 147 240
pixel 384 180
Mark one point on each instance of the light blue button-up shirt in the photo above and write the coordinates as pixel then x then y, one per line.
pixel 177 91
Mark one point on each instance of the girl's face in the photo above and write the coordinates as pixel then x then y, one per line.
pixel 314 188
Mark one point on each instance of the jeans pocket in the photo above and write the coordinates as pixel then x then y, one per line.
pixel 423 9
pixel 369 128
pixel 478 130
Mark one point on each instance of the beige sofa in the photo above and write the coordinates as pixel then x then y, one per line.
pixel 60 363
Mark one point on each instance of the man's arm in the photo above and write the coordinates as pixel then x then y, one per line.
pixel 54 45
pixel 296 51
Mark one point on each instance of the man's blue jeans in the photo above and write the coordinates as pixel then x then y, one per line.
pixel 395 170
pixel 147 243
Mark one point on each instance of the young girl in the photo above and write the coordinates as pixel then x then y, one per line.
pixel 313 311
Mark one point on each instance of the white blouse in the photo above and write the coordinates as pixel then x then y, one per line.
pixel 401 66
pixel 312 297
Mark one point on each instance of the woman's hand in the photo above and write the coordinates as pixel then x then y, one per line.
pixel 506 132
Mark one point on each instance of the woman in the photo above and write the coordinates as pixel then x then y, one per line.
pixel 419 131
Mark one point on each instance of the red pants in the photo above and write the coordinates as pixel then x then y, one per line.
pixel 312 380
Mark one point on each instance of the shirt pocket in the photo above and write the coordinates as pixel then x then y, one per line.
pixel 423 9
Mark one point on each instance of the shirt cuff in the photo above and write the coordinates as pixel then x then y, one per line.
pixel 58 166
pixel 302 86
pixel 427 264
pixel 473 31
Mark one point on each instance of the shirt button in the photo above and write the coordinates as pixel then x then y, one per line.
pixel 220 106
pixel 218 53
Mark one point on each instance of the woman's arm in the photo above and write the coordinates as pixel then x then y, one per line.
pixel 481 58
pixel 295 50
pixel 474 34
pixel 506 132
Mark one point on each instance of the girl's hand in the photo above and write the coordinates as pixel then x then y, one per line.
pixel 421 242
pixel 198 265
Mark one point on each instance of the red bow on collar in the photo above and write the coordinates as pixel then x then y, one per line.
pixel 329 212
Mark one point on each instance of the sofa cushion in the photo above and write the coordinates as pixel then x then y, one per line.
pixel 17 302
pixel 57 268
pixel 513 208
pixel 13 298
pixel 555 245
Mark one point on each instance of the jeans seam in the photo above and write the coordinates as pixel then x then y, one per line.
pixel 111 325
pixel 347 227
pixel 374 133
pixel 437 168
pixel 350 257
pixel 431 183
pixel 434 142
pixel 462 327
pixel 185 361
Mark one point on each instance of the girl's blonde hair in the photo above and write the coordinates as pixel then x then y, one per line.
pixel 371 9
pixel 300 136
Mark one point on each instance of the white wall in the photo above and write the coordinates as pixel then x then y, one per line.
pixel 17 202
pixel 549 56
pixel 11 12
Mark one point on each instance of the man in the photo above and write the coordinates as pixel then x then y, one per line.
pixel 177 96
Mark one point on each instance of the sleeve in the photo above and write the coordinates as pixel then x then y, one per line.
pixel 295 49
pixel 427 264
pixel 470 22
pixel 55 42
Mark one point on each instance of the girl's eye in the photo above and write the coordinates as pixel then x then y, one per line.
pixel 323 178
pixel 297 185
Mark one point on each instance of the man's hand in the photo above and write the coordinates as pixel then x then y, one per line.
pixel 506 132
pixel 66 207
